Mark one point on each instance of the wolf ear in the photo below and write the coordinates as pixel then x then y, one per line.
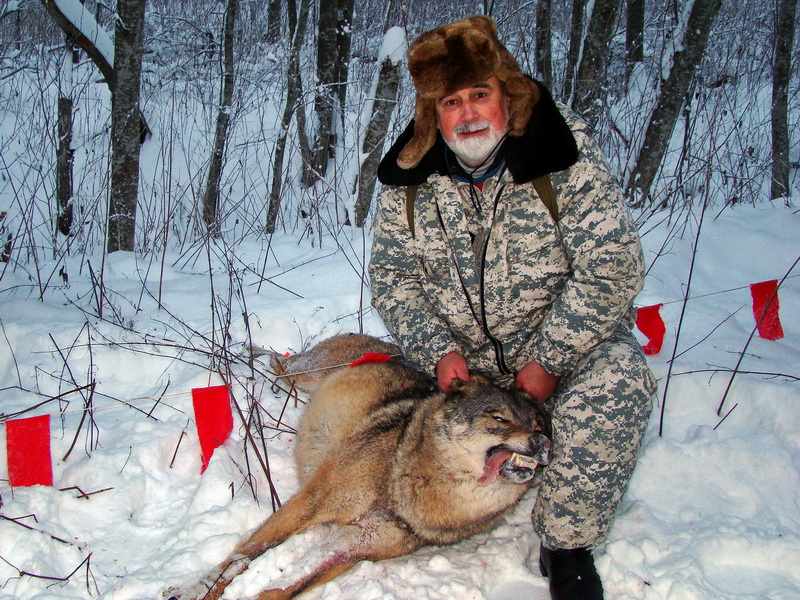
pixel 461 387
pixel 458 388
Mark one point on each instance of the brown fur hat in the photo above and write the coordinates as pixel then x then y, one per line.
pixel 452 57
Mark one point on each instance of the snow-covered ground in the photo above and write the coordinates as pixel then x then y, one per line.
pixel 713 510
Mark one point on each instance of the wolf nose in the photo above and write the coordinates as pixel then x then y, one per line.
pixel 541 445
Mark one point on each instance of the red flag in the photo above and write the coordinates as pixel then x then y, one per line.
pixel 765 309
pixel 371 357
pixel 650 323
pixel 212 414
pixel 28 451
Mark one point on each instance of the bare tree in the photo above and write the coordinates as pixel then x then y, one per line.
pixel 125 125
pixel 211 196
pixel 383 104
pixel 64 152
pixel 634 36
pixel 544 47
pixel 671 95
pixel 785 27
pixel 297 25
pixel 590 82
pixel 273 21
pixel 574 52
pixel 333 58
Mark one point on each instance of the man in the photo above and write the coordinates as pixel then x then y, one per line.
pixel 502 244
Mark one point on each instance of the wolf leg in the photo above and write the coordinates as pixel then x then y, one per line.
pixel 298 514
pixel 375 539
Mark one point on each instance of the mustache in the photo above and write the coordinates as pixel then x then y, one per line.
pixel 471 127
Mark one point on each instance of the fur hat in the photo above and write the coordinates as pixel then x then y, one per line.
pixel 452 57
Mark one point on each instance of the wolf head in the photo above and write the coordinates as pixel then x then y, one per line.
pixel 503 435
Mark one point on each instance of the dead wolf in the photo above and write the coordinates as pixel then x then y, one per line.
pixel 389 463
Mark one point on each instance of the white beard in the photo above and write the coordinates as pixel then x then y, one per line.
pixel 474 151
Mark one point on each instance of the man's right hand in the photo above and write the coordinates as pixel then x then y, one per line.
pixel 451 366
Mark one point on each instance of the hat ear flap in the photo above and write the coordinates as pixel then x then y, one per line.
pixel 424 135
pixel 523 94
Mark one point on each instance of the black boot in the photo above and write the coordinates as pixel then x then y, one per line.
pixel 572 574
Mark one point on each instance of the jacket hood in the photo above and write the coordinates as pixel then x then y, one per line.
pixel 547 146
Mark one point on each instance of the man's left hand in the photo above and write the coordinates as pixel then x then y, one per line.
pixel 537 382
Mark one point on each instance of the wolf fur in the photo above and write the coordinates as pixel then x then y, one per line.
pixel 390 463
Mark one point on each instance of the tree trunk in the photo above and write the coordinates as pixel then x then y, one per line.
pixel 64 152
pixel 64 166
pixel 297 23
pixel 211 196
pixel 93 50
pixel 634 37
pixel 333 59
pixel 382 107
pixel 671 96
pixel 274 21
pixel 125 125
pixel 781 75
pixel 327 57
pixel 544 47
pixel 344 39
pixel 590 84
pixel 574 52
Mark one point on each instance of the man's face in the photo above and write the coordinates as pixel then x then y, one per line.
pixel 474 120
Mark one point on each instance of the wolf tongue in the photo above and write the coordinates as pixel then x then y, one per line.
pixel 492 467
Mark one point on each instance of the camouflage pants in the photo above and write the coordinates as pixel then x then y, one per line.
pixel 600 412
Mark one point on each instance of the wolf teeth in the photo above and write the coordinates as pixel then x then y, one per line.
pixel 520 460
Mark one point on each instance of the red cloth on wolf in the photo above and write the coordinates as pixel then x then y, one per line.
pixel 371 357
pixel 213 417
pixel 28 451
pixel 765 309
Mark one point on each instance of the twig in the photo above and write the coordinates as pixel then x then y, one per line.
pixel 40 404
pixel 752 333
pixel 28 527
pixel 263 460
pixel 175 454
pixel 23 573
pixel 726 416
pixel 82 494
pixel 680 320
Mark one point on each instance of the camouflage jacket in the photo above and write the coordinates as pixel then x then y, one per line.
pixel 548 290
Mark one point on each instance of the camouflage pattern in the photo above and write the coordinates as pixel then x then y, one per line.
pixel 558 293
pixel 600 412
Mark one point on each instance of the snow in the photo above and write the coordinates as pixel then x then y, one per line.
pixel 713 510
pixel 394 46
pixel 83 20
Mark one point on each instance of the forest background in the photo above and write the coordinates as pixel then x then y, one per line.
pixel 260 116
pixel 182 179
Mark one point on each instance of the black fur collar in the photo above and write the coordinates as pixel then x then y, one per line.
pixel 547 146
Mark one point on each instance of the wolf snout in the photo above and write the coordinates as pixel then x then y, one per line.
pixel 541 446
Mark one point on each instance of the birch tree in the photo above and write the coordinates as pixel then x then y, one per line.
pixel 384 100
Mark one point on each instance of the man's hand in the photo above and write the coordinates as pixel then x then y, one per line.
pixel 451 366
pixel 537 382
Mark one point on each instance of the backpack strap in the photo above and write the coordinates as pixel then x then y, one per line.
pixel 542 185
pixel 411 196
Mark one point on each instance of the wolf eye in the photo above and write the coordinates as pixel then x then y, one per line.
pixel 498 418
